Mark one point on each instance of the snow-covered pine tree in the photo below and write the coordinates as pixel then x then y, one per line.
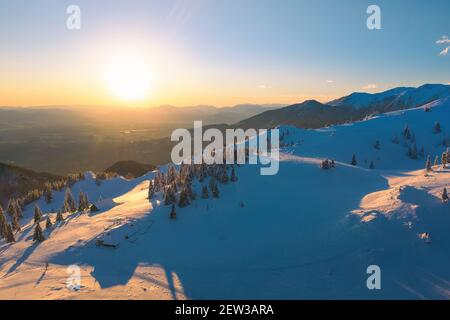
pixel 15 223
pixel 38 234
pixel 48 193
pixel 173 212
pixel 48 223
pixel 83 202
pixel 428 167
pixel 444 159
pixel 151 190
pixel 9 234
pixel 445 195
pixel 69 204
pixel 3 223
pixel 354 162
pixel 59 216
pixel 11 209
pixel 37 214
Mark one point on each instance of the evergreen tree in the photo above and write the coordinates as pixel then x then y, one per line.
pixel 19 211
pixel 11 209
pixel 69 202
pixel 83 202
pixel 428 167
pixel 48 194
pixel 214 188
pixel 173 212
pixel 38 234
pixel 377 145
pixel 9 234
pixel 184 199
pixel 437 127
pixel 354 162
pixel 205 193
pixel 59 216
pixel 406 132
pixel 3 224
pixel 444 159
pixel 37 214
pixel 151 190
pixel 444 195
pixel 436 161
pixel 333 165
pixel 48 223
pixel 15 223
pixel 371 166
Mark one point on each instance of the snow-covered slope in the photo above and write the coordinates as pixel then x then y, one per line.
pixel 303 233
pixel 397 98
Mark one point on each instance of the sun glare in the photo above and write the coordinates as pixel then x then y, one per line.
pixel 129 78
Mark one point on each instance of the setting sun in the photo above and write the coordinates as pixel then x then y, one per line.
pixel 129 78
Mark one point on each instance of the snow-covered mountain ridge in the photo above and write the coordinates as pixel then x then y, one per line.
pixel 303 233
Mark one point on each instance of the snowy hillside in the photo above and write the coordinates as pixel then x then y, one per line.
pixel 303 233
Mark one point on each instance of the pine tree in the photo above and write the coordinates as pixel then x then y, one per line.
pixel 9 234
pixel 48 194
pixel 444 195
pixel 428 167
pixel 69 202
pixel 436 161
pixel 3 224
pixel 59 216
pixel 214 188
pixel 437 127
pixel 371 166
pixel 15 223
pixel 38 234
pixel 151 190
pixel 18 209
pixel 37 214
pixel 205 193
pixel 11 209
pixel 48 223
pixel 184 199
pixel 173 212
pixel 377 145
pixel 444 159
pixel 354 162
pixel 83 202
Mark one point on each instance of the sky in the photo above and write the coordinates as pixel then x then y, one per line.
pixel 216 52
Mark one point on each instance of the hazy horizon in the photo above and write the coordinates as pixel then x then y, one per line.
pixel 222 53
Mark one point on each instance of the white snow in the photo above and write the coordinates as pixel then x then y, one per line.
pixel 304 233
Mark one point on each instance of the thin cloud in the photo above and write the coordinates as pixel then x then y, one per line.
pixel 445 51
pixel 330 81
pixel 263 86
pixel 443 40
pixel 370 86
